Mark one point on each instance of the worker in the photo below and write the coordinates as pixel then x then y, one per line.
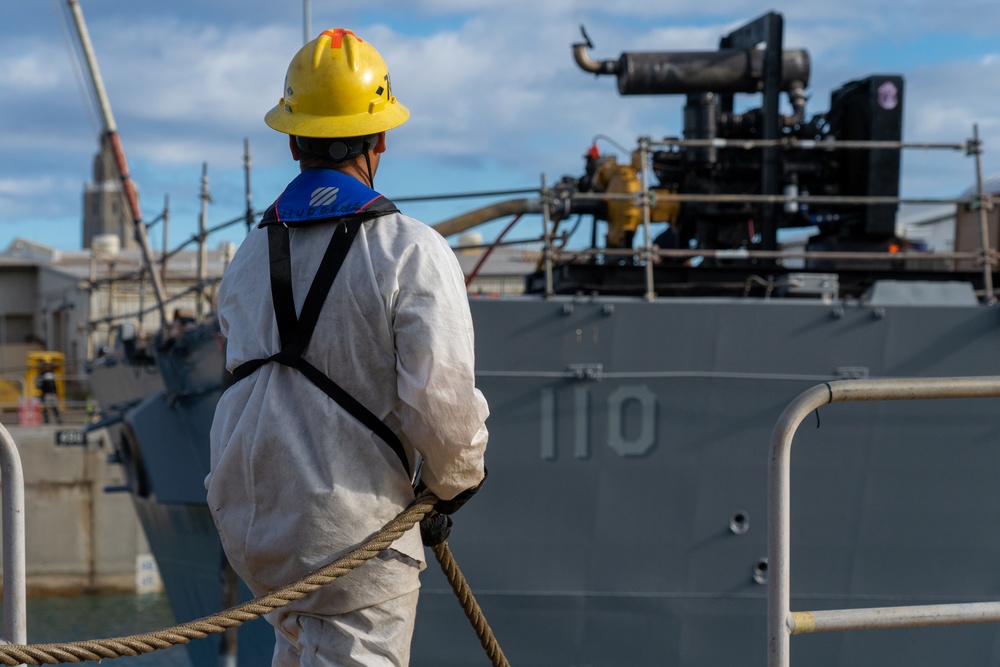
pixel 47 387
pixel 350 342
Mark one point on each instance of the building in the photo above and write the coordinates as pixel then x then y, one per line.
pixel 105 210
pixel 74 302
pixel 950 228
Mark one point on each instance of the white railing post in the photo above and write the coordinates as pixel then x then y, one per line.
pixel 782 623
pixel 779 522
pixel 15 622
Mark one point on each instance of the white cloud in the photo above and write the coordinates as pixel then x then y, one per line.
pixel 32 186
pixel 28 73
pixel 194 74
pixel 491 86
pixel 37 197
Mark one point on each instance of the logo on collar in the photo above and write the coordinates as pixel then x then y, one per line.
pixel 322 194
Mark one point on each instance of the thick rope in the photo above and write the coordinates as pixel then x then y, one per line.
pixel 99 649
pixel 469 604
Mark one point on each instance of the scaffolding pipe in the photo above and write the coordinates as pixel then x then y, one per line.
pixel 203 240
pixel 650 255
pixel 984 227
pixel 793 143
pixel 547 252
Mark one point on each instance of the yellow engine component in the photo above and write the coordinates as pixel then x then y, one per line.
pixel 624 216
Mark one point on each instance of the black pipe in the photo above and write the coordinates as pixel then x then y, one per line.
pixel 685 72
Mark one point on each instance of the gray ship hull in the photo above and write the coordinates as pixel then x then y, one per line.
pixel 624 521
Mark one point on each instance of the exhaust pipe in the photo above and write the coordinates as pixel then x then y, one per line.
pixel 686 72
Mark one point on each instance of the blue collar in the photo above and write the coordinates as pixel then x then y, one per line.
pixel 317 195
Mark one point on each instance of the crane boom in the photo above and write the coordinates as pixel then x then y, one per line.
pixel 111 134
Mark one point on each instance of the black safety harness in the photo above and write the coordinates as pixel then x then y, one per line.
pixel 296 331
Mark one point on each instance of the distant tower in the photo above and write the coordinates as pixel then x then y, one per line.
pixel 105 210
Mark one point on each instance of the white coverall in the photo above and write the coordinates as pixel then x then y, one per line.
pixel 296 481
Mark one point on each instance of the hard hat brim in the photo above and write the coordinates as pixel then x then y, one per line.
pixel 356 125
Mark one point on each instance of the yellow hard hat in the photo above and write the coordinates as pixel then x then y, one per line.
pixel 337 86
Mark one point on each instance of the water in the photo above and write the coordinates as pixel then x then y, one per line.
pixel 79 617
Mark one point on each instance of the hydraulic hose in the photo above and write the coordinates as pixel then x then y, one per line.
pixel 478 216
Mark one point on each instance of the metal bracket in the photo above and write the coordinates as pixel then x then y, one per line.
pixel 587 371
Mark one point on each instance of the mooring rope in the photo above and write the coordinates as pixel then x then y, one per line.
pixel 133 645
pixel 469 604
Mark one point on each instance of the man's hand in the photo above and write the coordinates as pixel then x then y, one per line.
pixel 455 504
pixel 435 529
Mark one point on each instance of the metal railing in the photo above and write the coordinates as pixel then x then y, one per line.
pixel 15 616
pixel 782 623
pixel 986 257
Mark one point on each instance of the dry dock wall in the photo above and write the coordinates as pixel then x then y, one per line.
pixel 78 537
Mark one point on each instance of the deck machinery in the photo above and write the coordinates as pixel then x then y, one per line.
pixel 748 167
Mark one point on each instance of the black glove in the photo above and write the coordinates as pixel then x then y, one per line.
pixel 435 529
pixel 455 504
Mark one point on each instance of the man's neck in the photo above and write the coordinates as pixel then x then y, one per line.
pixel 353 169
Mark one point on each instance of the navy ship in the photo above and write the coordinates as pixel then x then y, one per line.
pixel 635 383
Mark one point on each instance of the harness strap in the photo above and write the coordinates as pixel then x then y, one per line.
pixel 295 332
pixel 280 255
pixel 343 237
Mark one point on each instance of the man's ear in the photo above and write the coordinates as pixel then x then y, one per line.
pixel 294 147
pixel 380 143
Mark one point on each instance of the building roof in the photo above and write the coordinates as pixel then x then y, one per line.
pixel 991 186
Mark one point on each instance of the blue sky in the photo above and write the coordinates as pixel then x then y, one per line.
pixel 495 98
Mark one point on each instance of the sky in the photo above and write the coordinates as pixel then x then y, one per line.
pixel 496 100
